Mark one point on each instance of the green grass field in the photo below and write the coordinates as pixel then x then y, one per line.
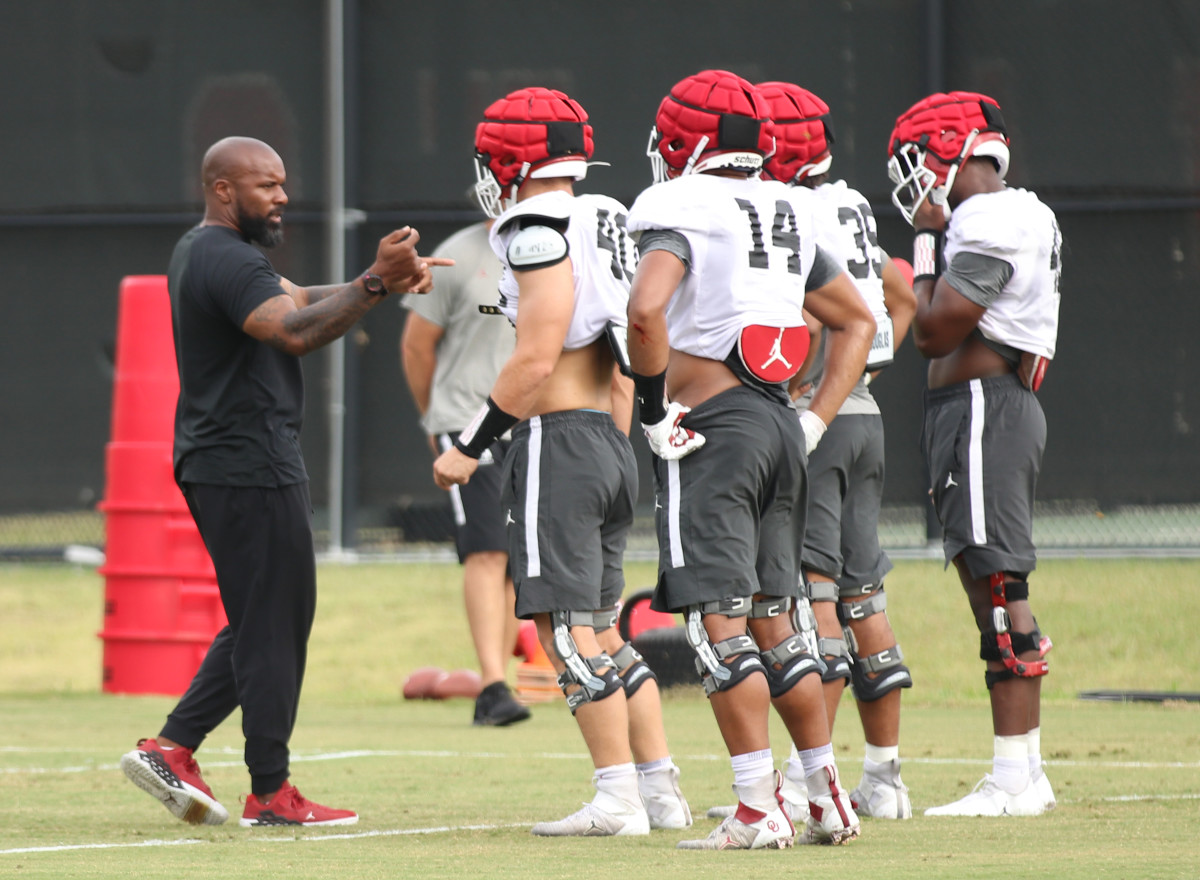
pixel 440 798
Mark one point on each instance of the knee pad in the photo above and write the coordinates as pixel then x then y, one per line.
pixel 821 591
pixel 888 665
pixel 1002 645
pixel 990 649
pixel 595 676
pixel 874 603
pixel 804 622
pixel 835 657
pixel 770 606
pixel 740 651
pixel 636 670
pixel 605 618
pixel 833 653
pixel 602 672
pixel 794 662
pixel 888 668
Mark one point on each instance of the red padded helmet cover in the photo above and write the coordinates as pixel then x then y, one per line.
pixel 718 104
pixel 534 125
pixel 802 133
pixel 940 123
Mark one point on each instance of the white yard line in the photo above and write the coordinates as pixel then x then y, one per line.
pixel 454 755
pixel 308 838
pixel 298 758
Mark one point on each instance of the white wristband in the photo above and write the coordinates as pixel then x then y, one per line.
pixel 927 254
pixel 814 429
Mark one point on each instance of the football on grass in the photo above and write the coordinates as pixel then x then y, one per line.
pixel 419 685
pixel 459 683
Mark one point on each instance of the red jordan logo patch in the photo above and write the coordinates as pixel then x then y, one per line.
pixel 773 354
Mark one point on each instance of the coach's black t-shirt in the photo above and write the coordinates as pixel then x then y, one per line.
pixel 241 402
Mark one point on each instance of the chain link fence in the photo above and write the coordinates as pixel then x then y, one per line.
pixel 1080 527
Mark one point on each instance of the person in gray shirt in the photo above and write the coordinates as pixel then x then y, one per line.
pixel 451 353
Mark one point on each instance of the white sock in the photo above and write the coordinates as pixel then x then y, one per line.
pixel 876 755
pixel 793 770
pixel 1034 742
pixel 1010 764
pixel 615 777
pixel 814 759
pixel 656 766
pixel 751 766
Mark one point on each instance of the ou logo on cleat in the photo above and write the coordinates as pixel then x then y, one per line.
pixel 773 825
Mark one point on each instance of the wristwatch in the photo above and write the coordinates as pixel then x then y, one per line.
pixel 374 285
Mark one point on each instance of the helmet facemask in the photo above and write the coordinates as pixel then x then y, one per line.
pixel 914 181
pixel 492 197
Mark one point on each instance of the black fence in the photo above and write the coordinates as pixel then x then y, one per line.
pixel 111 103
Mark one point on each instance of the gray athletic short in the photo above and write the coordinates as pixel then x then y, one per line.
pixel 730 516
pixel 478 516
pixel 845 489
pixel 983 443
pixel 568 491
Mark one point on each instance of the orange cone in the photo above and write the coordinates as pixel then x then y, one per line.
pixel 537 682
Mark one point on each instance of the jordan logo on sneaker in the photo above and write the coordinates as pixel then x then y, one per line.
pixel 777 353
pixel 310 817
pixel 950 480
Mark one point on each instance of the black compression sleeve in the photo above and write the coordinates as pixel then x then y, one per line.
pixel 489 423
pixel 651 394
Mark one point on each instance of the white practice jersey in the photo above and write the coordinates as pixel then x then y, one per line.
pixel 846 230
pixel 602 254
pixel 1013 225
pixel 753 244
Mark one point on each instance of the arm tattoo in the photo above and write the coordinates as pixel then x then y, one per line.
pixel 314 325
pixel 329 318
pixel 320 292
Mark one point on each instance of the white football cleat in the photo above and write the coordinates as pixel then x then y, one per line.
pixel 748 828
pixel 619 820
pixel 1041 784
pixel 882 795
pixel 795 803
pixel 989 799
pixel 665 804
pixel 831 819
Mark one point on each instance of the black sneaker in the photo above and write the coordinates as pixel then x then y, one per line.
pixel 496 707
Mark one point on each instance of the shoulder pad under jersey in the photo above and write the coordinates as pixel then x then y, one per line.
pixel 549 209
pixel 536 247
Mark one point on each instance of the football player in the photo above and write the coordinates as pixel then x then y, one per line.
pixel 987 320
pixel 843 564
pixel 728 264
pixel 570 478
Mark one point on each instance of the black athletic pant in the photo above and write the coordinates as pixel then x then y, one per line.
pixel 261 545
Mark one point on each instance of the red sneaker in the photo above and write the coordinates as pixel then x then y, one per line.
pixel 289 807
pixel 173 776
